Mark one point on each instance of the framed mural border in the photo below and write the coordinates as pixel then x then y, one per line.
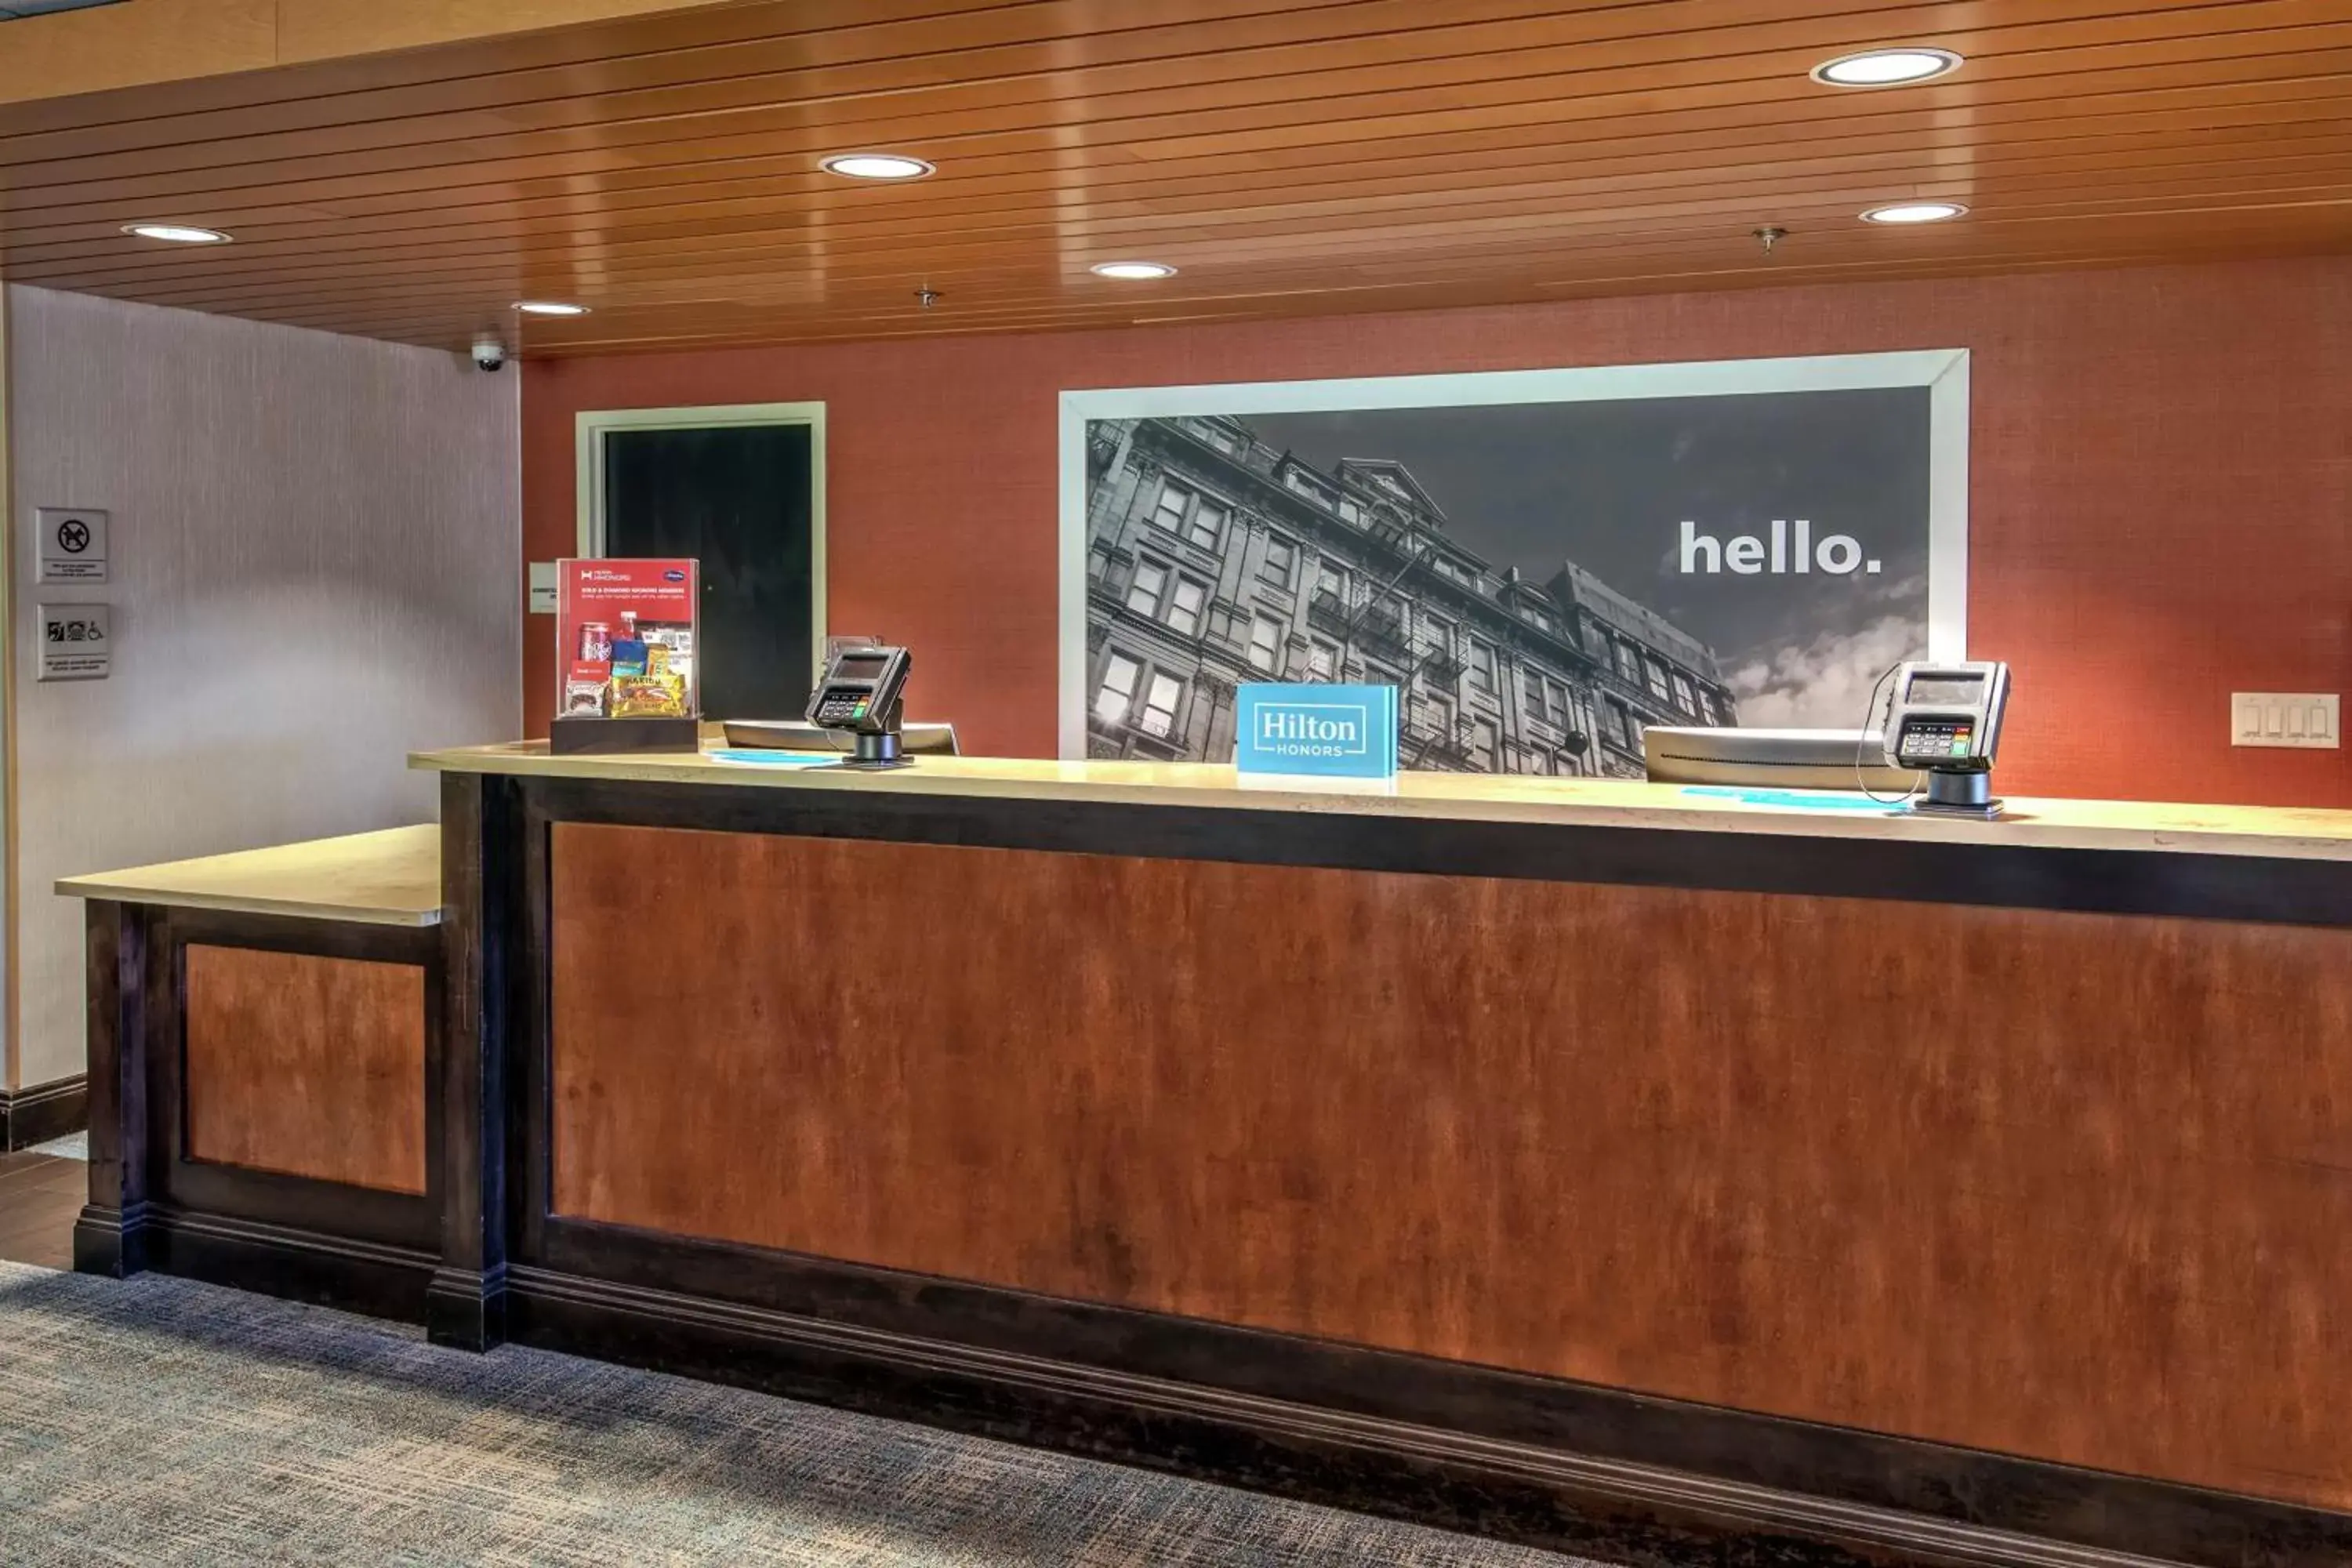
pixel 1944 372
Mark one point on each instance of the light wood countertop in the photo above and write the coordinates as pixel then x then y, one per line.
pixel 388 877
pixel 2258 832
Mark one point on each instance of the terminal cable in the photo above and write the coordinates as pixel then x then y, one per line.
pixel 1862 739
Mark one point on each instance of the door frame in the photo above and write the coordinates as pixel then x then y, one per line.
pixel 590 426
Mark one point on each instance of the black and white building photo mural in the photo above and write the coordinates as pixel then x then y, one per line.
pixel 1543 563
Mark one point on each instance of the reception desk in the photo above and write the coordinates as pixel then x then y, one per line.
pixel 1675 1176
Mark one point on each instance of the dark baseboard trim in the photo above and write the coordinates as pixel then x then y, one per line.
pixel 1640 1514
pixel 379 1280
pixel 43 1111
pixel 1563 1465
pixel 1837 1465
pixel 111 1241
pixel 466 1308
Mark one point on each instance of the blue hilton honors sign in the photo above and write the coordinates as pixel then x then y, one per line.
pixel 1330 732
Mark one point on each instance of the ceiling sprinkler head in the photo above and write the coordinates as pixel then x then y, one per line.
pixel 925 296
pixel 1771 234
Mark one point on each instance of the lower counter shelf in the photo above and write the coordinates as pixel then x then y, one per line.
pixel 258 1078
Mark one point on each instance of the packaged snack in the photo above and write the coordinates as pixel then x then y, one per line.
pixel 585 684
pixel 678 639
pixel 645 698
pixel 656 661
pixel 628 658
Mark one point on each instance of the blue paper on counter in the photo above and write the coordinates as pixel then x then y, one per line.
pixel 1795 799
pixel 746 759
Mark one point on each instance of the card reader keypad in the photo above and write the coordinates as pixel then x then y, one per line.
pixel 840 706
pixel 1938 740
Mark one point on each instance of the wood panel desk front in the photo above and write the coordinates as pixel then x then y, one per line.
pixel 1545 1158
pixel 264 1033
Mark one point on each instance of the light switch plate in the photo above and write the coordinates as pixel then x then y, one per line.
pixel 2303 720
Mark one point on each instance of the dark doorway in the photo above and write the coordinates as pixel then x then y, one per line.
pixel 739 499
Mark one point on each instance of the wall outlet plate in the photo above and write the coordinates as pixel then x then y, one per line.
pixel 2303 719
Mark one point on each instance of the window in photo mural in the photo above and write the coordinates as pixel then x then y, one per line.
pixel 1542 563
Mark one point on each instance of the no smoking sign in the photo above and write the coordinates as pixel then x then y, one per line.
pixel 72 544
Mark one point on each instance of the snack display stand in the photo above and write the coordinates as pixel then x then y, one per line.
pixel 627 657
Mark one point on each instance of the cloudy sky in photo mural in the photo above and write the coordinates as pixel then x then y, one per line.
pixel 1667 500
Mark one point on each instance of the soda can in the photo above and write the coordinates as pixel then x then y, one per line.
pixel 595 642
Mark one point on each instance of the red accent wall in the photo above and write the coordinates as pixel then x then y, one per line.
pixel 2161 466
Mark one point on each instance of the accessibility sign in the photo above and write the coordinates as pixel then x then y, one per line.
pixel 77 642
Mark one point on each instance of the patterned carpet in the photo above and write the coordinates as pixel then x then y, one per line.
pixel 157 1420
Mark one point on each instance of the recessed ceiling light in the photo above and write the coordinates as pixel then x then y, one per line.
pixel 549 307
pixel 1135 269
pixel 877 166
pixel 176 233
pixel 1914 212
pixel 1886 67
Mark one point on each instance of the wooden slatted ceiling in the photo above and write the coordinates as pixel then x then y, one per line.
pixel 178 40
pixel 1290 156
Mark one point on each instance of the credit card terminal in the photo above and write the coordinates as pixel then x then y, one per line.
pixel 1946 723
pixel 859 692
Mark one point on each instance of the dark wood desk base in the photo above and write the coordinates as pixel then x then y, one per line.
pixel 359 1228
pixel 1117 1364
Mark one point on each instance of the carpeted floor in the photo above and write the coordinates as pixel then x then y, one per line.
pixel 157 1420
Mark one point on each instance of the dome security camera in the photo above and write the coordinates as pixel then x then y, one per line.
pixel 488 353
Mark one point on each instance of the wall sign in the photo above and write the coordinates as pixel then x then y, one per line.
pixel 1541 563
pixel 71 544
pixel 77 642
pixel 1319 731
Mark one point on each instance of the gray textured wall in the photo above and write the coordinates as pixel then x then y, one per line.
pixel 316 549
